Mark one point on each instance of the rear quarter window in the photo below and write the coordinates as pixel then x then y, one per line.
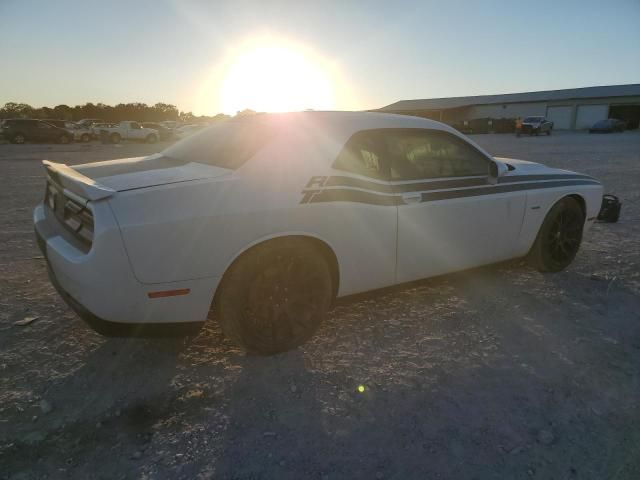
pixel 228 144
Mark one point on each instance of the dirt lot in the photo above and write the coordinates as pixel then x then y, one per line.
pixel 501 372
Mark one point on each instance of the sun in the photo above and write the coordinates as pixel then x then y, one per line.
pixel 275 78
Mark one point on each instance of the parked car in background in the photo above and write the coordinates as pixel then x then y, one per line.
pixel 96 127
pixel 268 218
pixel 55 122
pixel 22 130
pixel 130 130
pixel 536 126
pixel 170 124
pixel 609 125
pixel 88 122
pixel 80 133
pixel 164 132
pixel 187 130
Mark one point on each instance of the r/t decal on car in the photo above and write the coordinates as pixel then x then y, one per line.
pixel 309 191
pixel 318 181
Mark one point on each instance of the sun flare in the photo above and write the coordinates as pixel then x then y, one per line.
pixel 275 78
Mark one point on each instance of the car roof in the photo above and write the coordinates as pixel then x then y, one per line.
pixel 349 121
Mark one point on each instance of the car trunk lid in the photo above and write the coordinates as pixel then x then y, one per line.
pixel 142 172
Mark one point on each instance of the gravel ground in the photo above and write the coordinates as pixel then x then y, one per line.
pixel 499 372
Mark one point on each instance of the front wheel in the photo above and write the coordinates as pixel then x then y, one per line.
pixel 18 138
pixel 559 237
pixel 274 297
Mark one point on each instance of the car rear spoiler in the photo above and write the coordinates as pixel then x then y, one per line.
pixel 75 182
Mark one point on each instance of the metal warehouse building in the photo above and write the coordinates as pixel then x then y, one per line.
pixel 571 109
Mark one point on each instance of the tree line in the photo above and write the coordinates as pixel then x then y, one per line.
pixel 140 112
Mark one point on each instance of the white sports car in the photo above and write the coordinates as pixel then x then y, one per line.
pixel 264 220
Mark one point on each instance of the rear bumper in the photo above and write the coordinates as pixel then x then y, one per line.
pixel 117 329
pixel 100 286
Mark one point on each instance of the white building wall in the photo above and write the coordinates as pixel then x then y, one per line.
pixel 509 110
pixel 514 110
pixel 561 116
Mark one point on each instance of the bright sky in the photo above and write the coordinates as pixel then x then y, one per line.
pixel 215 56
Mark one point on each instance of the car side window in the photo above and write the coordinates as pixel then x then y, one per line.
pixel 135 125
pixel 362 155
pixel 418 154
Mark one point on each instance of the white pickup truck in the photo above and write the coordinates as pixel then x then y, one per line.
pixel 131 131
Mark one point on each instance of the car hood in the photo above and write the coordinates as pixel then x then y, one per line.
pixel 524 167
pixel 141 172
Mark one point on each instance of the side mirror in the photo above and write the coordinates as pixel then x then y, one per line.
pixel 496 170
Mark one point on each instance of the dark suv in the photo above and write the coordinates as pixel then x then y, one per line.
pixel 21 130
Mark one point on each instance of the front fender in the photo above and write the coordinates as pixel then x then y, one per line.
pixel 540 202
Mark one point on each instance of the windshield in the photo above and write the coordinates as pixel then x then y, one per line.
pixel 228 144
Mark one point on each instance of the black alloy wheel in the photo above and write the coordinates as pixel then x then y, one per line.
pixel 275 297
pixel 564 236
pixel 559 237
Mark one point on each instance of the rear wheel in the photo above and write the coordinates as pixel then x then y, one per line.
pixel 115 138
pixel 151 138
pixel 559 237
pixel 18 138
pixel 274 297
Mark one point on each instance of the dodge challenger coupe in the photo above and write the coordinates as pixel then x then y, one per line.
pixel 265 220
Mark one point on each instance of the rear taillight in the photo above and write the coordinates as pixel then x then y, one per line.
pixel 79 219
pixel 74 215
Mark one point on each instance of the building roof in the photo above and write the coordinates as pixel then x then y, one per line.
pixel 544 96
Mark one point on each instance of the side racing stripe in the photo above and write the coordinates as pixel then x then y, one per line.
pixel 491 190
pixel 372 198
pixel 390 188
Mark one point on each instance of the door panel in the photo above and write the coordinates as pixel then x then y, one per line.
pixel 437 237
pixel 450 217
pixel 43 132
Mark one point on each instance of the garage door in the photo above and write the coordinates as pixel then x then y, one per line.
pixel 560 116
pixel 590 114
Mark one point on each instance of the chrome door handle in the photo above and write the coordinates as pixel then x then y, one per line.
pixel 412 197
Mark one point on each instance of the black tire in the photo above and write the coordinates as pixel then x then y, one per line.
pixel 63 139
pixel 85 137
pixel 274 297
pixel 18 138
pixel 115 138
pixel 559 237
pixel 151 138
